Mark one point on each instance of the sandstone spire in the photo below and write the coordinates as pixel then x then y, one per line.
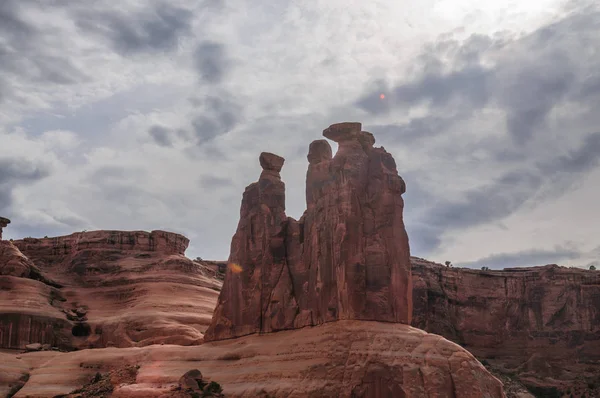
pixel 3 224
pixel 346 258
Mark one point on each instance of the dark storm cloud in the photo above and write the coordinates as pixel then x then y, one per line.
pixel 498 199
pixel 466 81
pixel 423 238
pixel 5 198
pixel 14 172
pixel 468 84
pixel 419 128
pixel 217 117
pixel 488 203
pixel 581 159
pixel 531 75
pixel 153 29
pixel 20 170
pixel 530 89
pixel 527 78
pixel 26 55
pixel 161 135
pixel 210 61
pixel 524 258
pixel 11 23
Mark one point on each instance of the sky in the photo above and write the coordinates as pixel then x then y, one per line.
pixel 152 114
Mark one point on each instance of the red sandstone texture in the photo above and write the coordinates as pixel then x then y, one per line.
pixel 358 359
pixel 346 258
pixel 539 324
pixel 3 223
pixel 103 288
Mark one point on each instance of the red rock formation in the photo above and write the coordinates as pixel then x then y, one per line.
pixel 339 359
pixel 3 224
pixel 13 262
pixel 541 324
pixel 346 258
pixel 27 298
pixel 103 288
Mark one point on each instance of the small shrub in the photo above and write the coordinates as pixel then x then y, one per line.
pixel 592 268
pixel 213 388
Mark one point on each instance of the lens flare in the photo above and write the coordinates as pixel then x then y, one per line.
pixel 235 268
pixel 382 96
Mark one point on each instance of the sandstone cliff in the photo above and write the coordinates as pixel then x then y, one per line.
pixel 346 258
pixel 541 324
pixel 103 288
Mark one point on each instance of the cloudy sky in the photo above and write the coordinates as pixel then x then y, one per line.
pixel 152 114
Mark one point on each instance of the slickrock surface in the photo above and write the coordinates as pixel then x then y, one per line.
pixel 103 288
pixel 346 258
pixel 338 359
pixel 539 324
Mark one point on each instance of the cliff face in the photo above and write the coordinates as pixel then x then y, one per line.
pixel 27 313
pixel 49 251
pixel 103 288
pixel 346 258
pixel 540 323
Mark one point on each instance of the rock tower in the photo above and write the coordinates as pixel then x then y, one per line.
pixel 346 258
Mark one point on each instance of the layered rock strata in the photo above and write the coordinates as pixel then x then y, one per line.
pixel 541 324
pixel 103 288
pixel 346 258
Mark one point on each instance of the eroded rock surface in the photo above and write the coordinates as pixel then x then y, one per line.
pixel 338 359
pixel 3 224
pixel 103 288
pixel 539 324
pixel 346 258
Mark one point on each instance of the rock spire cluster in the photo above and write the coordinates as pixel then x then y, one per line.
pixel 346 258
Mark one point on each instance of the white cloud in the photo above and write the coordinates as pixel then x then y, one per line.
pixel 153 115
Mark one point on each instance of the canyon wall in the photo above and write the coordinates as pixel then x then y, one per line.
pixel 541 324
